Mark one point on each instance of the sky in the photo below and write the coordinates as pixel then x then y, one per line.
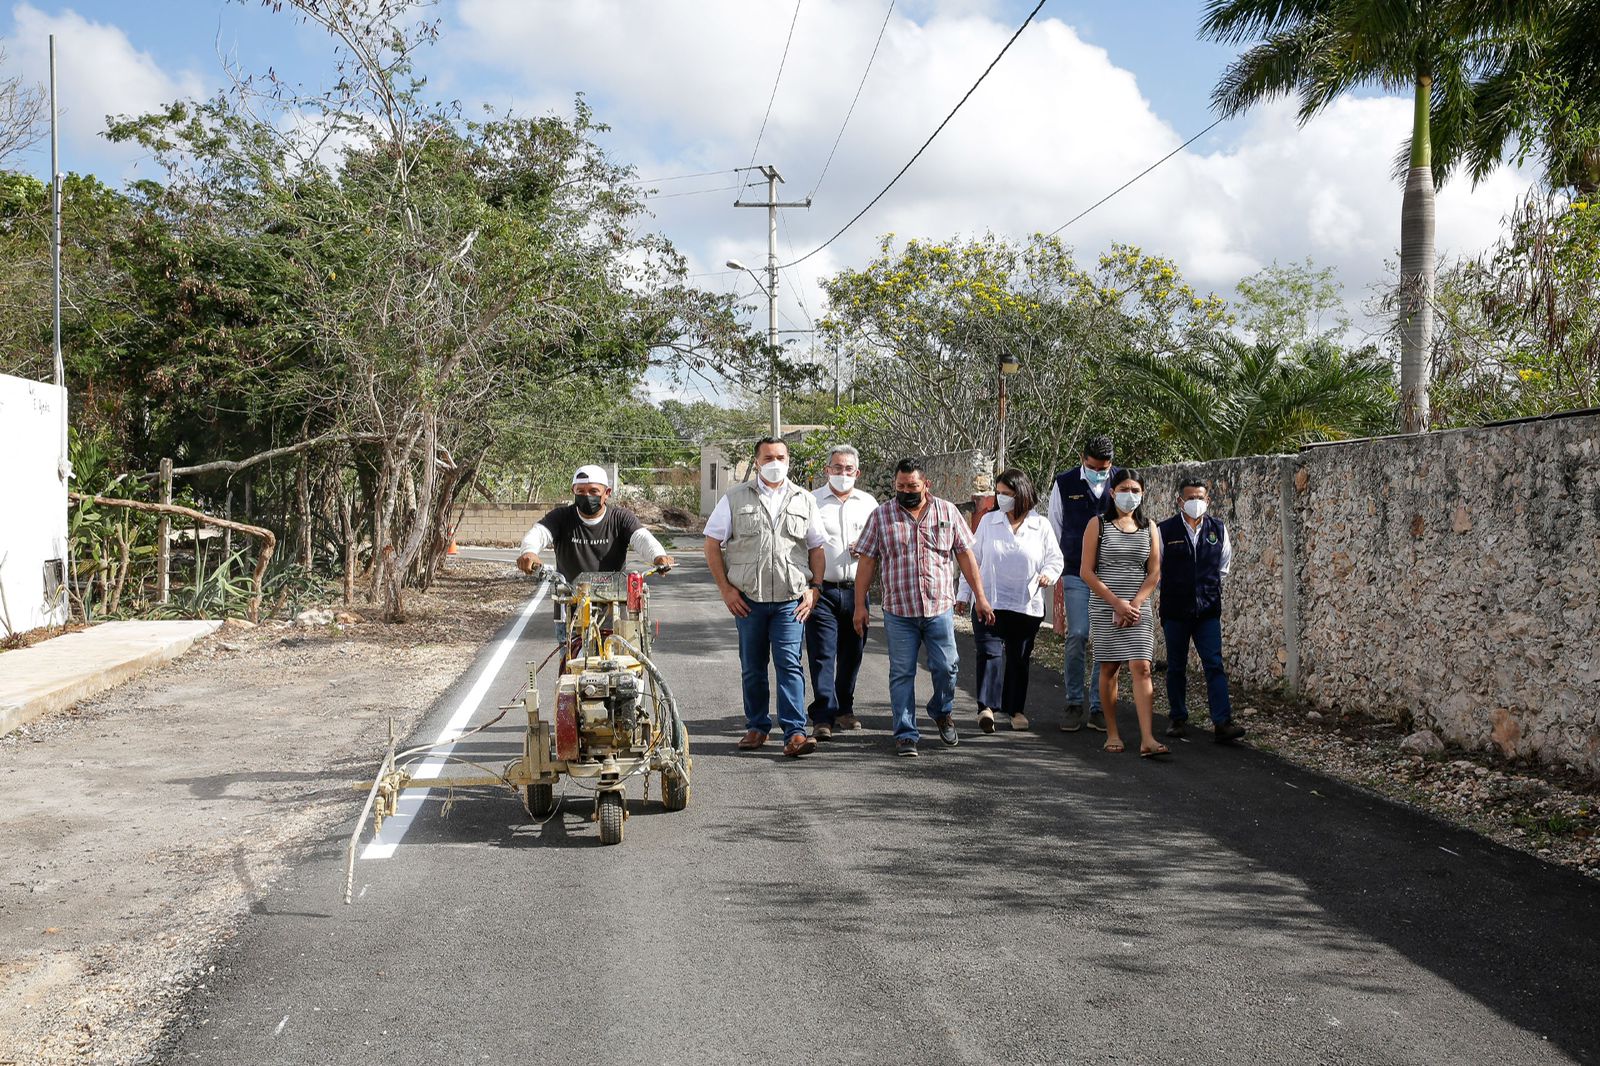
pixel 1090 94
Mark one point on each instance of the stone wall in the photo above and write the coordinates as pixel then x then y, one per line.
pixel 1449 579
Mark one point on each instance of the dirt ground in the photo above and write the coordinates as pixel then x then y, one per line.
pixel 132 848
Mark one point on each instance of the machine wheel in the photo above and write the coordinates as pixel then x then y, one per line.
pixel 541 800
pixel 612 810
pixel 674 792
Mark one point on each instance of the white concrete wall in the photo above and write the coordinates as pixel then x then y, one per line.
pixel 33 514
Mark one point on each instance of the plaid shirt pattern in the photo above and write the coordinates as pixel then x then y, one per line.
pixel 916 558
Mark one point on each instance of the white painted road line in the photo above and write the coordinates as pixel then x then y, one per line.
pixel 396 826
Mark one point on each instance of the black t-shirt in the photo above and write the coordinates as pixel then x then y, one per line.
pixel 580 547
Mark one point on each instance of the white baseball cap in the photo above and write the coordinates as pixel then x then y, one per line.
pixel 591 475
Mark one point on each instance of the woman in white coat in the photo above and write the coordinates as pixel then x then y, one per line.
pixel 1018 555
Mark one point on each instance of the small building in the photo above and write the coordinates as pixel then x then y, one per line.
pixel 33 524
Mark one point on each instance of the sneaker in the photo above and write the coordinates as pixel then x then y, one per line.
pixel 986 720
pixel 1097 720
pixel 947 731
pixel 906 748
pixel 1019 721
pixel 822 731
pixel 1227 731
pixel 1072 718
pixel 1178 727
pixel 845 723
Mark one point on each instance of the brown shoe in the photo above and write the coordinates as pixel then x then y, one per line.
pixel 752 740
pixel 799 745
pixel 845 723
pixel 822 731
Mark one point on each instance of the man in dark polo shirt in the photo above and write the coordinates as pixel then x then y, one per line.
pixel 1195 557
pixel 588 534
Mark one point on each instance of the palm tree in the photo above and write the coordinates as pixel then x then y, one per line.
pixel 1229 397
pixel 1320 49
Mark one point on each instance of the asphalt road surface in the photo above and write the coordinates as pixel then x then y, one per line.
pixel 1022 898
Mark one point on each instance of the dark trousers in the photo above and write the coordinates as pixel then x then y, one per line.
pixel 1005 652
pixel 834 653
pixel 1206 635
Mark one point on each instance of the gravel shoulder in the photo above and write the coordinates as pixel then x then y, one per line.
pixel 142 824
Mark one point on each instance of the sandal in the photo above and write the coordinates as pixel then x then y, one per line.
pixel 1160 751
pixel 1113 746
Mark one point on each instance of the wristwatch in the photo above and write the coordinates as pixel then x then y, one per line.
pixel 813 584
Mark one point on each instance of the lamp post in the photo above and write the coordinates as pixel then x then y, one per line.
pixel 772 335
pixel 1009 365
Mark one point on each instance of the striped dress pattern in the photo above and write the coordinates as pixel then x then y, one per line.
pixel 1121 562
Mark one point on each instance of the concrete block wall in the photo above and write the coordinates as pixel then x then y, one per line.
pixel 1450 578
pixel 498 524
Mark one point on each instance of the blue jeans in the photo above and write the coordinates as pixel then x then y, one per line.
pixel 771 632
pixel 1206 633
pixel 908 636
pixel 1076 594
pixel 833 649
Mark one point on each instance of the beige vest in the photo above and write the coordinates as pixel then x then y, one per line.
pixel 768 561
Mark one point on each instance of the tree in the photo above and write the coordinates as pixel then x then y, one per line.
pixel 22 114
pixel 1321 49
pixel 930 321
pixel 1225 397
pixel 1293 305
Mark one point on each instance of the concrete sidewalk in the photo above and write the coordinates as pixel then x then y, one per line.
pixel 59 672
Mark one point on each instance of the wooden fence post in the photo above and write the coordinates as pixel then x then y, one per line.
pixel 163 544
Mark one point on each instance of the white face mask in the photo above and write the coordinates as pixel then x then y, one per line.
pixel 1004 504
pixel 1128 502
pixel 1195 509
pixel 841 482
pixel 774 471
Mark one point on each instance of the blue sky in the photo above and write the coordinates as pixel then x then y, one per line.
pixel 1090 95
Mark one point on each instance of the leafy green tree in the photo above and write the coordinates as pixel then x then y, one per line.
pixel 1226 397
pixel 1294 304
pixel 1320 49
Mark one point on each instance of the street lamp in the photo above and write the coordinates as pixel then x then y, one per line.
pixel 1009 364
pixel 772 334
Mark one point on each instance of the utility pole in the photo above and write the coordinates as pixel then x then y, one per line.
pixel 63 467
pixel 772 204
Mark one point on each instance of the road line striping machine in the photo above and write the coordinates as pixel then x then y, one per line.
pixel 615 719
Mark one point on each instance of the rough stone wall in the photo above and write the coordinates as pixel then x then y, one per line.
pixel 959 476
pixel 1448 578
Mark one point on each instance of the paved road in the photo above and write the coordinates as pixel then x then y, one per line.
pixel 1024 898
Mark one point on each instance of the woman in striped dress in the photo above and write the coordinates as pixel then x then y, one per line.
pixel 1121 566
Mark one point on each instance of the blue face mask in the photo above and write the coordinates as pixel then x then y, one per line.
pixel 1096 477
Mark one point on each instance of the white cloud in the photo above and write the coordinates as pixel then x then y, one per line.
pixel 99 72
pixel 1056 126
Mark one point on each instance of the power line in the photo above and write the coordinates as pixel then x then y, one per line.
pixel 852 109
pixel 799 292
pixel 1135 178
pixel 873 202
pixel 696 192
pixel 785 58
pixel 683 177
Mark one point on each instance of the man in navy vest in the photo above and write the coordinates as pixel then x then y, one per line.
pixel 1078 495
pixel 1195 556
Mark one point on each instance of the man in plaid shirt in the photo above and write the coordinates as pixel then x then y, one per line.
pixel 919 541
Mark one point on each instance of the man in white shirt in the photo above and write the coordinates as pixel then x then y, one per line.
pixel 588 535
pixel 1196 554
pixel 833 647
pixel 1076 497
pixel 764 548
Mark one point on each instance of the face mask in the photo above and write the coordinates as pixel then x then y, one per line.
pixel 1194 508
pixel 909 500
pixel 841 482
pixel 1097 477
pixel 1004 504
pixel 588 506
pixel 1128 502
pixel 774 472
